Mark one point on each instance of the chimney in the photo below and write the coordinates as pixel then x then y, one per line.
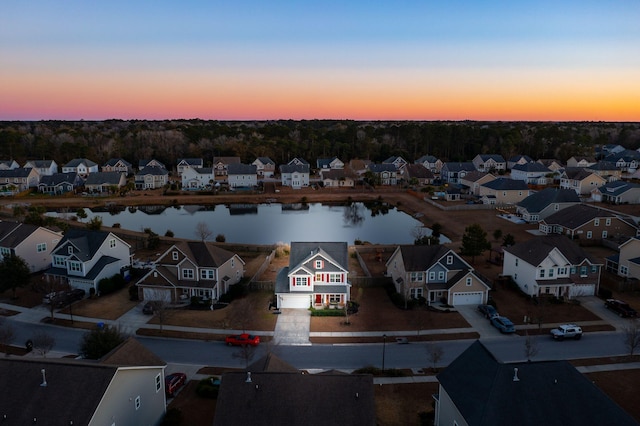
pixel 515 375
pixel 248 377
pixel 44 378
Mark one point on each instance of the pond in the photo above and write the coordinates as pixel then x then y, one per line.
pixel 376 222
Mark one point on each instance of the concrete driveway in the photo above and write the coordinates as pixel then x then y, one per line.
pixel 478 321
pixel 292 327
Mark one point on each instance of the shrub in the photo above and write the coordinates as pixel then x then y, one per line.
pixel 169 233
pixel 109 285
pixel 133 292
pixel 235 292
pixel 220 238
pixel 206 388
pixel 327 312
pixel 173 417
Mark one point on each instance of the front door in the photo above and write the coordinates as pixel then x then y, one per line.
pixel 318 299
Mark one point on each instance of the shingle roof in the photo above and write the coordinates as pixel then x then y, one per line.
pixel 575 216
pixel 78 161
pixel 506 184
pixel 338 251
pixel 14 233
pixel 204 253
pixel 457 167
pixel 535 250
pixel 418 171
pixel 104 178
pixel 242 169
pixel 540 200
pixel 132 353
pixel 13 173
pixel 295 399
pixel 153 170
pixel 86 242
pixel 551 393
pixel 421 257
pixel 618 187
pixel 531 168
pixel 379 168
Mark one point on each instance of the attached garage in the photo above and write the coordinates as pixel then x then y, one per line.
pixel 294 301
pixel 582 290
pixel 156 294
pixel 471 298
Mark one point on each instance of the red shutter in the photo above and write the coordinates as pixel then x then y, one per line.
pixel 342 277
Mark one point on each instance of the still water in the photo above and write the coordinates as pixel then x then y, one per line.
pixel 270 223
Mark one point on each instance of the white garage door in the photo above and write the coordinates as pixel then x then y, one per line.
pixel 156 294
pixel 467 298
pixel 294 302
pixel 582 290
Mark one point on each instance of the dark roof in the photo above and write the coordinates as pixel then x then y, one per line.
pixel 531 167
pixel 617 187
pixel 338 251
pixel 546 393
pixel 104 178
pixel 535 250
pixel 324 162
pixel 333 174
pixel 385 167
pixel 59 178
pixel 475 176
pixel 506 184
pixel 603 165
pixel 538 201
pixel 72 393
pixel 577 173
pixel 272 364
pixel 292 168
pixel 14 233
pixel 86 242
pixel 517 158
pixel 427 159
pixel 204 253
pixel 575 216
pixel 113 161
pixel 295 399
pixel 457 167
pixel 153 170
pixel 145 163
pixel 266 160
pixel 191 161
pixel 298 160
pixel 418 171
pixel 77 161
pixel 132 353
pixel 495 157
pixel 242 169
pixel 422 257
pixel 226 160
pixel 19 172
pixel 40 164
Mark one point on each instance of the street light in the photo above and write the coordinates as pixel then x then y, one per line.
pixel 384 344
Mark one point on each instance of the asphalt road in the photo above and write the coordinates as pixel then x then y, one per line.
pixel 507 348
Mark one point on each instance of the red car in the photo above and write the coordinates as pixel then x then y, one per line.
pixel 242 340
pixel 173 382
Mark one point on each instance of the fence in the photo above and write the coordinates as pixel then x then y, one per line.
pixel 264 266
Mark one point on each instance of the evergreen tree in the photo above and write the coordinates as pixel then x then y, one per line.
pixel 474 241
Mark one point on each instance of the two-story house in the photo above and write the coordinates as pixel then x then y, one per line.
pixel 384 174
pixel 197 178
pixel 539 205
pixel 587 222
pixel 242 175
pixel 518 159
pixel 453 172
pixel 503 191
pixel 430 162
pixel 580 161
pixel 583 181
pixel 14 181
pixel 101 182
pixel 59 183
pixel 552 266
pixel 8 164
pixel 220 165
pixel 151 178
pixel 118 165
pixel 295 176
pixel 397 161
pixel 265 167
pixel 607 170
pixel 489 163
pixel 43 167
pixel 191 269
pixel 531 173
pixel 329 163
pixel 617 192
pixel 32 243
pixel 627 160
pixel 183 163
pixel 417 174
pixel 316 276
pixel 436 273
pixel 82 166
pixel 473 180
pixel 552 164
pixel 83 257
pixel 150 163
pixel 626 263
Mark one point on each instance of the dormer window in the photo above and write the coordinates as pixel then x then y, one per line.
pixel 469 281
pixel 174 255
pixel 70 249
pixel 319 264
pixel 449 260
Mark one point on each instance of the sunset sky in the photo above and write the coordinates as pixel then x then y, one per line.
pixel 362 60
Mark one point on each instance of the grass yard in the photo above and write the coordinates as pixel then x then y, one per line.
pixel 109 307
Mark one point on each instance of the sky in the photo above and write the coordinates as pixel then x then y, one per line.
pixel 349 59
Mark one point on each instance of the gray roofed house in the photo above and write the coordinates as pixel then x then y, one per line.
pixel 473 180
pixel 295 175
pixel 618 192
pixel 265 167
pixel 104 181
pixel 242 175
pixel 435 272
pixel 83 257
pixel 606 169
pixel 489 162
pixel 385 174
pixel 288 399
pixel 220 164
pixel 504 191
pixel 421 174
pixel 59 183
pixel 531 173
pixel 118 165
pixel 582 180
pixel 32 243
pixel 588 222
pixel 539 205
pixel 191 269
pixel 452 172
pixel 81 166
pixel 552 265
pixel 8 164
pixel 43 167
pixel 627 160
pixel 61 392
pixel 150 163
pixel 477 389
pixel 329 163
pixel 189 162
pixel 316 276
pixel 151 177
pixel 397 161
pixel 298 161
pixel 13 181
pixel 430 162
pixel 518 159
pixel 337 178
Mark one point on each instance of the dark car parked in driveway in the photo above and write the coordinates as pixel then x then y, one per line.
pixel 503 324
pixel 68 297
pixel 488 311
pixel 621 308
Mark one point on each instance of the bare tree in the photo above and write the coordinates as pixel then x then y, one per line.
pixel 161 307
pixel 631 336
pixel 242 312
pixel 43 343
pixel 203 231
pixel 530 347
pixel 435 353
pixel 245 353
pixel 7 335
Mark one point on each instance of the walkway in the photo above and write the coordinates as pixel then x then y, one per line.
pixel 292 327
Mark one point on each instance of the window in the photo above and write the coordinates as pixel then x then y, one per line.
pixel 112 243
pixel 318 264
pixel 469 281
pixel 594 268
pixel 415 293
pixel 517 261
pixel 607 221
pixel 551 273
pixel 416 276
pixel 232 262
pixel 187 274
pixel 334 298
pixel 604 234
pixel 158 383
pixel 441 276
pixel 334 278
pixel 70 249
pixel 583 271
pixel 596 222
pixel 573 269
pixel 541 273
pixel 301 281
pixel 174 255
pixel 59 261
pixel 449 260
pixel 589 235
pixel 623 270
pixel 137 402
pixel 207 274
pixel 562 271
pixel 75 266
pixel 432 275
pixel 41 247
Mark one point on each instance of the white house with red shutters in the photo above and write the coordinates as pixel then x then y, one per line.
pixel 316 276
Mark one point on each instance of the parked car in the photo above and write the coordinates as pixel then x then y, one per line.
pixel 503 324
pixel 242 340
pixel 173 382
pixel 621 308
pixel 49 297
pixel 148 308
pixel 488 311
pixel 566 331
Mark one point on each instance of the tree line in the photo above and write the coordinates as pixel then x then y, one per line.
pixel 169 140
